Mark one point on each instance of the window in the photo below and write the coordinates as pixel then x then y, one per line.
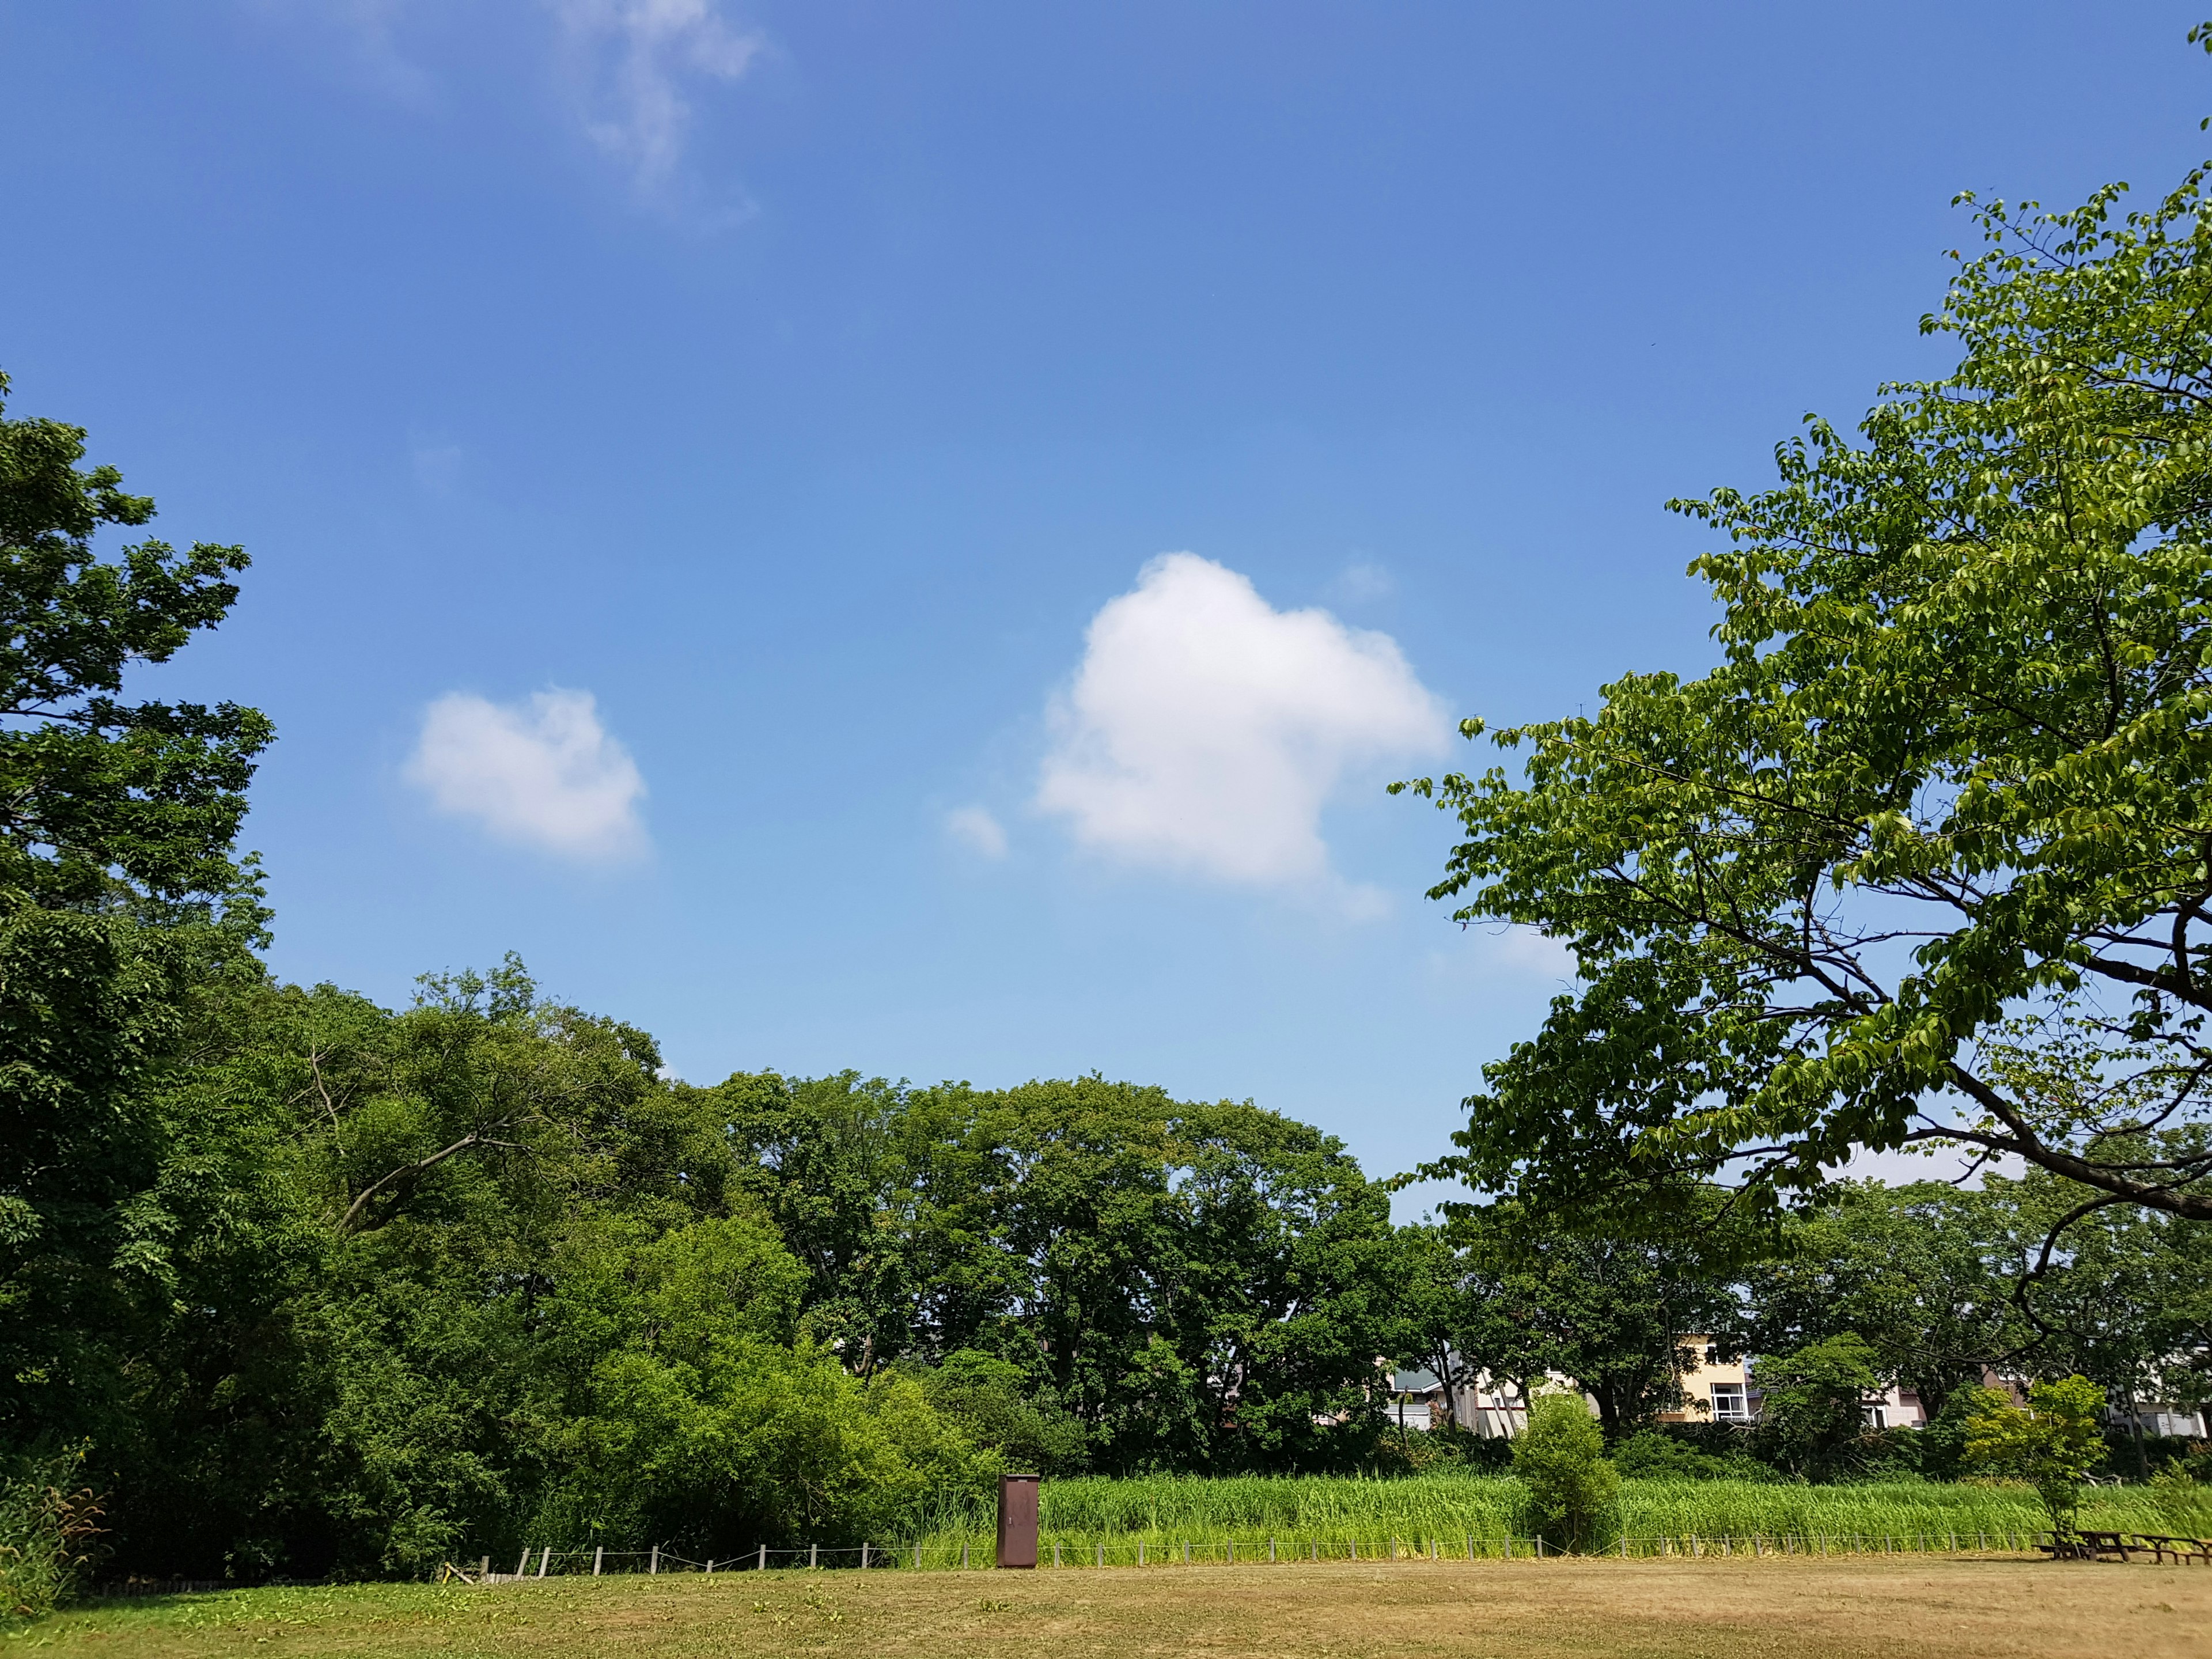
pixel 1728 1403
pixel 1712 1354
pixel 1877 1417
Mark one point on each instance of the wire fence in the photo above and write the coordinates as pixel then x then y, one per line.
pixel 940 1555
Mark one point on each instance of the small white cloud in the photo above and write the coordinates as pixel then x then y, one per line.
pixel 1204 730
pixel 973 827
pixel 633 58
pixel 545 775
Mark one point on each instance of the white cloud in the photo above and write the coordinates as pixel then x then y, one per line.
pixel 634 58
pixel 1204 730
pixel 545 775
pixel 973 827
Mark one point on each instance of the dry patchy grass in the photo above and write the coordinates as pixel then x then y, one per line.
pixel 1789 1608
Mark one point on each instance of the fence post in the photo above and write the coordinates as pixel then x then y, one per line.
pixel 1624 1547
pixel 599 1555
pixel 523 1565
pixel 917 1558
pixel 813 1555
pixel 543 1556
pixel 655 1567
pixel 1355 1549
pixel 1540 1547
pixel 1508 1547
pixel 1186 1552
pixel 863 1555
pixel 964 1553
pixel 764 1556
pixel 1232 1551
pixel 1271 1549
pixel 1101 1555
pixel 1055 1555
pixel 1141 1552
pixel 483 1570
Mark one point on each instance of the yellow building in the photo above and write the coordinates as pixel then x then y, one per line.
pixel 1714 1390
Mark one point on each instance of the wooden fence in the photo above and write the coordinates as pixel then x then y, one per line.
pixel 542 1562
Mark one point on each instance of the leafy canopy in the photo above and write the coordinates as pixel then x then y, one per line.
pixel 1953 769
pixel 93 789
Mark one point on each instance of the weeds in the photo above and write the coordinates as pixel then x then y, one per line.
pixel 46 1531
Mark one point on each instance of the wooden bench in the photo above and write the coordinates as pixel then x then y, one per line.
pixel 2181 1550
pixel 2086 1545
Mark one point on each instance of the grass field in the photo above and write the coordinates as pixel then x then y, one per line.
pixel 1337 1514
pixel 1776 1608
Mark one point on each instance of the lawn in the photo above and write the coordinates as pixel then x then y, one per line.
pixel 1787 1608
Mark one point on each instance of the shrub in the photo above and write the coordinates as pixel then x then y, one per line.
pixel 1574 1493
pixel 2054 1443
pixel 1656 1456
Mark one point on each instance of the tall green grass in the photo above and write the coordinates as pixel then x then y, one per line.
pixel 1334 1515
pixel 43 1527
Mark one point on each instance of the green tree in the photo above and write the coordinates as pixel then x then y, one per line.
pixel 2120 1294
pixel 1607 1302
pixel 97 790
pixel 121 903
pixel 1921 1273
pixel 1814 1416
pixel 1203 1286
pixel 2055 1443
pixel 1000 1407
pixel 1574 1493
pixel 1949 768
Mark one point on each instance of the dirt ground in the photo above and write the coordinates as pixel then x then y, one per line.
pixel 1792 1608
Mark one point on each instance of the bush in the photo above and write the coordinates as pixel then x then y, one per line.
pixel 1446 1447
pixel 2054 1443
pixel 1654 1454
pixel 46 1535
pixel 1574 1493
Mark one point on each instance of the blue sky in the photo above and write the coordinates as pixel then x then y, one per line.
pixel 708 464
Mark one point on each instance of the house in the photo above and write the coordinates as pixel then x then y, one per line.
pixel 1493 1407
pixel 1714 1390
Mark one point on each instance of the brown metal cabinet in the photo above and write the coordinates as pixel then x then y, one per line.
pixel 1017 1520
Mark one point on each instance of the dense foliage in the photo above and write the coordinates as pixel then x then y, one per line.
pixel 1573 1489
pixel 1925 859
